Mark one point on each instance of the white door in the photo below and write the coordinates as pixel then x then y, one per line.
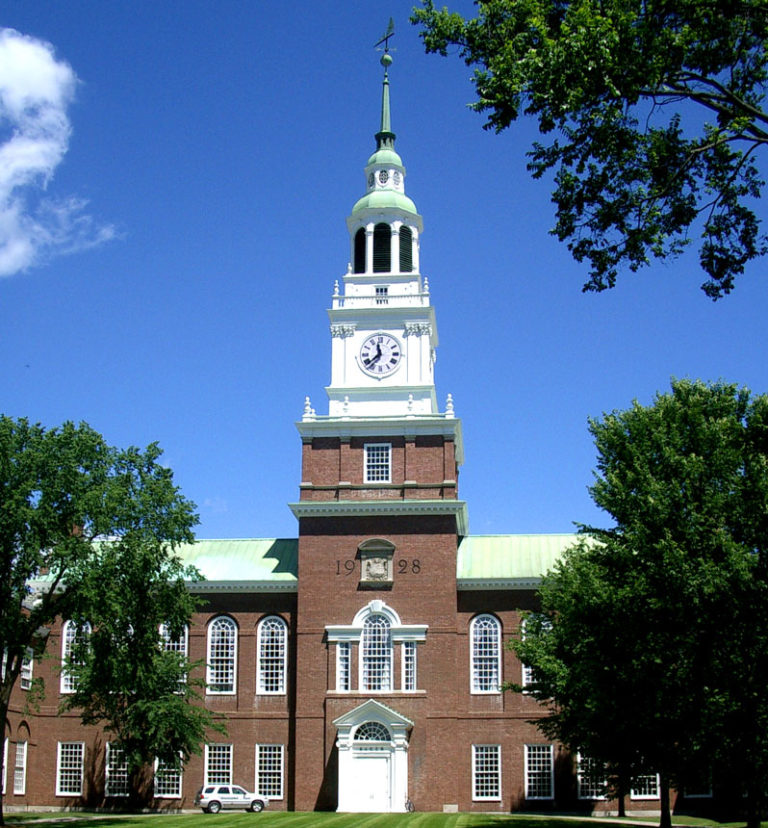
pixel 371 782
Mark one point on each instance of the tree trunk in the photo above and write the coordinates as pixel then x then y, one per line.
pixel 665 819
pixel 622 793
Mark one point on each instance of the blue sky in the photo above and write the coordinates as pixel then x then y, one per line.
pixel 172 228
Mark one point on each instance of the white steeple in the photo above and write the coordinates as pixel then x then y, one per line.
pixel 383 329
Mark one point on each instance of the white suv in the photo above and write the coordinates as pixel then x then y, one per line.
pixel 214 798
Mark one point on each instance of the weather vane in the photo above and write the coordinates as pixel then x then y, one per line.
pixel 385 40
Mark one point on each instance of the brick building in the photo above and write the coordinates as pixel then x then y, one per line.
pixel 359 664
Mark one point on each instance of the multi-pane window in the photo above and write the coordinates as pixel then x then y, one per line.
pixel 372 732
pixel 218 764
pixel 116 772
pixel 382 294
pixel 173 644
pixel 69 769
pixel 376 654
pixel 378 462
pixel 486 772
pixel 485 634
pixel 590 778
pixel 71 637
pixel 25 676
pixel 269 771
pixel 20 768
pixel 645 786
pixel 343 657
pixel 539 772
pixel 409 665
pixel 167 781
pixel 272 644
pixel 222 655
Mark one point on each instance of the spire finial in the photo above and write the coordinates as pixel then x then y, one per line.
pixel 385 137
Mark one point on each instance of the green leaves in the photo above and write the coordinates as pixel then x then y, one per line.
pixel 658 110
pixel 653 649
pixel 87 532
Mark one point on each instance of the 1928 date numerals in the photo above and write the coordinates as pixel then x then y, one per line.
pixel 405 566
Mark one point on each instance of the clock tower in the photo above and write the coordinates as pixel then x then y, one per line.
pixel 379 521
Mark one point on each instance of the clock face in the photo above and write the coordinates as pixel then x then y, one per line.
pixel 370 180
pixel 383 176
pixel 380 355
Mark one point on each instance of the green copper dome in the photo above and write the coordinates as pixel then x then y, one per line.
pixel 385 200
pixel 386 155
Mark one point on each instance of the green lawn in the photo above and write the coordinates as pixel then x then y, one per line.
pixel 323 820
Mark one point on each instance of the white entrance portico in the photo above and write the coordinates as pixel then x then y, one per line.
pixel 372 744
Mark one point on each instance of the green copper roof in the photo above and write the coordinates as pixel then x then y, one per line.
pixel 510 558
pixel 263 560
pixel 385 200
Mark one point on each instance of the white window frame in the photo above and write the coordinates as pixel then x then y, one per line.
pixel 638 794
pixel 69 637
pixel 272 660
pixel 269 781
pixel 343 666
pixel 116 781
pixel 213 671
pixel 27 666
pixel 486 773
pixel 5 763
pixel 72 767
pixel 175 774
pixel 586 784
pixel 485 667
pixel 225 752
pixel 20 769
pixel 534 754
pixel 377 469
pixel 409 666
pixel 376 655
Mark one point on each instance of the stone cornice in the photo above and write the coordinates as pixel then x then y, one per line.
pixel 243 586
pixel 372 508
pixel 490 584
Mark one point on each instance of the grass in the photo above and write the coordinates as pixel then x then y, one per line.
pixel 328 820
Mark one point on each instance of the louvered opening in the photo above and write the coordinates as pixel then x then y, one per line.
pixel 406 249
pixel 382 249
pixel 360 251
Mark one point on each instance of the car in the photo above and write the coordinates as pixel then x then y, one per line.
pixel 215 798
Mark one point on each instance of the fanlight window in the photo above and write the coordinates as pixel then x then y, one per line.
pixel 372 732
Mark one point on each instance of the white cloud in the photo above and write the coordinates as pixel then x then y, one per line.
pixel 35 92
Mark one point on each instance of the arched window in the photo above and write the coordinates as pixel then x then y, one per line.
pixel 406 249
pixel 222 655
pixel 382 248
pixel 72 636
pixel 372 732
pixel 360 251
pixel 272 640
pixel 377 654
pixel 485 667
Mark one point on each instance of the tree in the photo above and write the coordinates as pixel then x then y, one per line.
pixel 62 492
pixel 651 649
pixel 658 110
